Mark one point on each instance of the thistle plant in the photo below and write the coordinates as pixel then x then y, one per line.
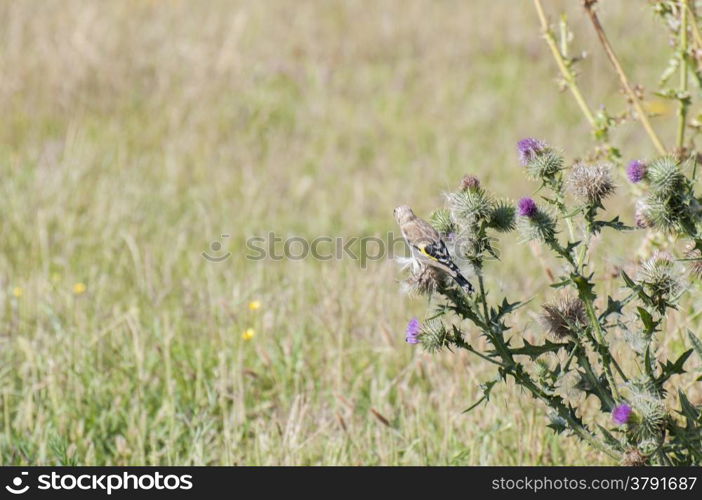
pixel 648 405
pixel 644 416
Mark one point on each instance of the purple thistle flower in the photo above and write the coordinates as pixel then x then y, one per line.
pixel 621 413
pixel 413 329
pixel 529 149
pixel 636 171
pixel 527 207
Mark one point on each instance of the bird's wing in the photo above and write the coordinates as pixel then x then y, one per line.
pixel 436 251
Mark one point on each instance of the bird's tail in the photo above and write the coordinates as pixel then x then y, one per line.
pixel 463 283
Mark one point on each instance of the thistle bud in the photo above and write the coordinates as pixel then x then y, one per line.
pixel 469 182
pixel 535 224
pixel 529 149
pixel 502 217
pixel 469 206
pixel 442 221
pixel 540 160
pixel 665 176
pixel 661 279
pixel 651 414
pixel 434 336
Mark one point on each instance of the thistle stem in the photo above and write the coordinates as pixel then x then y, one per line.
pixel 565 413
pixel 565 70
pixel 684 103
pixel 643 117
pixel 607 359
pixel 693 23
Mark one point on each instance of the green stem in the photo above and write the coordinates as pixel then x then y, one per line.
pixel 684 103
pixel 599 335
pixel 566 414
pixel 590 374
pixel 643 117
pixel 483 300
pixel 565 70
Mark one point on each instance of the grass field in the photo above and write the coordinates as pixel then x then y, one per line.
pixel 135 133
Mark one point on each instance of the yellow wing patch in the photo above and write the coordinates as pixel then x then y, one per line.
pixel 422 249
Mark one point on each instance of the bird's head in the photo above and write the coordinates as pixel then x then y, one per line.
pixel 403 214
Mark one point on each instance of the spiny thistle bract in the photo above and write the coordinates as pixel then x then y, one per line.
pixel 534 223
pixel 575 351
pixel 590 183
pixel 540 160
pixel 694 261
pixel 642 214
pixel 661 278
pixel 443 222
pixel 469 206
pixel 434 335
pixel 648 412
pixel 665 176
pixel 502 216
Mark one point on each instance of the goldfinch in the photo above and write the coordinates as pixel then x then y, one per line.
pixel 427 246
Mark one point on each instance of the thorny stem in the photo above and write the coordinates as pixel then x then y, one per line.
pixel 495 336
pixel 565 70
pixel 564 413
pixel 524 380
pixel 643 117
pixel 607 361
pixel 481 285
pixel 684 103
pixel 590 374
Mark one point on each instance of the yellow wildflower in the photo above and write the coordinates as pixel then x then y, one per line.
pixel 17 292
pixel 254 305
pixel 248 334
pixel 79 288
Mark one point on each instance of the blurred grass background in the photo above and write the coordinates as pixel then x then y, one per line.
pixel 135 133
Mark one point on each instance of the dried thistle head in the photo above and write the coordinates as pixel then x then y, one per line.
pixel 424 280
pixel 634 458
pixel 591 183
pixel 694 264
pixel 564 317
